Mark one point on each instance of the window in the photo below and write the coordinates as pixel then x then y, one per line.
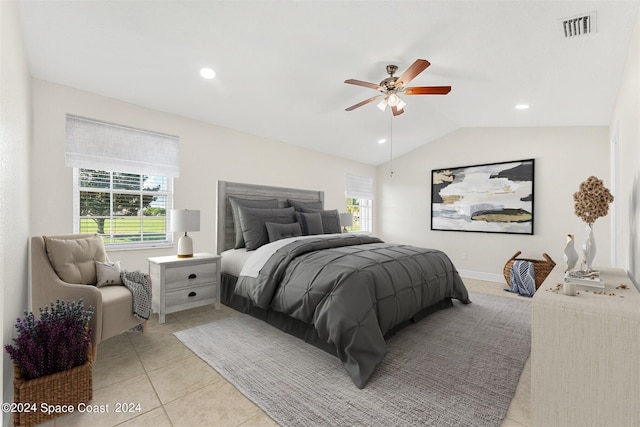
pixel 124 208
pixel 123 186
pixel 359 193
pixel 361 211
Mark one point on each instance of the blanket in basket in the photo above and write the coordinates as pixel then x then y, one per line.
pixel 140 286
pixel 523 278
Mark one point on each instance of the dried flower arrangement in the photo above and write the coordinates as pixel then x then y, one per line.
pixel 592 200
pixel 55 342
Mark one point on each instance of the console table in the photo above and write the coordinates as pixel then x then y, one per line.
pixel 585 354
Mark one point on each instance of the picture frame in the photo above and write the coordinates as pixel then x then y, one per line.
pixel 486 198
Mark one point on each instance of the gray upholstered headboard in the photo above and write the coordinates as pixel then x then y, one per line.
pixel 226 234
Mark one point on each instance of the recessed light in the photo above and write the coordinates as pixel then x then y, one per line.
pixel 522 107
pixel 207 73
pixel 382 141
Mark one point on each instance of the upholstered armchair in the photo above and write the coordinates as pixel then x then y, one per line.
pixel 73 257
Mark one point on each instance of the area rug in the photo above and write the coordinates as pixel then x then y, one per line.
pixel 457 367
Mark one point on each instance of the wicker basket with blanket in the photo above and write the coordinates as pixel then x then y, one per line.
pixel 541 267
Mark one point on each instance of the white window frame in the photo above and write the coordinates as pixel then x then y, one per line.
pixel 362 215
pixel 360 188
pixel 110 237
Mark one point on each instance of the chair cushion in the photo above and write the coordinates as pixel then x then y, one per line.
pixel 74 259
pixel 117 311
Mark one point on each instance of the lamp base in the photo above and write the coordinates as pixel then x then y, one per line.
pixel 185 247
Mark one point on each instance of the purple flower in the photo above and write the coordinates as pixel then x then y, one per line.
pixel 55 342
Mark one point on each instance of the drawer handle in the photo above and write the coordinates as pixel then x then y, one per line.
pixel 192 294
pixel 192 276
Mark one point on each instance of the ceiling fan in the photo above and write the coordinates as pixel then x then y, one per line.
pixel 393 86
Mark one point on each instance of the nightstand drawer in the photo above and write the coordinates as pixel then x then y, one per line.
pixel 190 275
pixel 193 295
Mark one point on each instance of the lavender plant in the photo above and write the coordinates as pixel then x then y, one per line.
pixel 55 342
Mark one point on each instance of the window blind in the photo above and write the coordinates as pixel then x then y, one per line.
pixel 359 187
pixel 94 144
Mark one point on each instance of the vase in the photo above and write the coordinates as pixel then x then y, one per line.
pixel 588 249
pixel 570 253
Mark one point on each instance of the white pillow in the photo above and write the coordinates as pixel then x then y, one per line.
pixel 108 273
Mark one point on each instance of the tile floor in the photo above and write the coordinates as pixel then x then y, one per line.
pixel 173 387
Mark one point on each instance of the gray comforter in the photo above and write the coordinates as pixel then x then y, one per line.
pixel 353 289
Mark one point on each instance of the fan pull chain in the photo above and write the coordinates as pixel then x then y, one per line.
pixel 391 147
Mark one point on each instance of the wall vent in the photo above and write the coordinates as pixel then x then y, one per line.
pixel 579 25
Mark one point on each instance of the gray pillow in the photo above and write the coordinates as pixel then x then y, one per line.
pixel 330 220
pixel 310 223
pixel 298 205
pixel 252 221
pixel 250 203
pixel 282 231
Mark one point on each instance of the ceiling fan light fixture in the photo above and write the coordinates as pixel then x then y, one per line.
pixel 382 105
pixel 392 99
pixel 401 104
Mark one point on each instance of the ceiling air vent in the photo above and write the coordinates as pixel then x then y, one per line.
pixel 578 25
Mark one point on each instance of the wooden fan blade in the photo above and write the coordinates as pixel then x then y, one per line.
pixel 360 104
pixel 365 84
pixel 427 90
pixel 416 68
pixel 396 112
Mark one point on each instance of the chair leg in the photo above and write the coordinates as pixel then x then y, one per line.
pixel 144 328
pixel 95 353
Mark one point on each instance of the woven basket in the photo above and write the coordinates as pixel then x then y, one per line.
pixel 69 387
pixel 541 267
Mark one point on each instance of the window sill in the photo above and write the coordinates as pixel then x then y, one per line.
pixel 111 247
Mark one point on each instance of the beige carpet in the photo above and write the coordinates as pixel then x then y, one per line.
pixel 457 367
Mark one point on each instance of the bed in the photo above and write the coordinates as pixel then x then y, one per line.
pixel 344 293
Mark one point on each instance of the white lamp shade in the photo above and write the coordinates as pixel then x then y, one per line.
pixel 183 220
pixel 346 219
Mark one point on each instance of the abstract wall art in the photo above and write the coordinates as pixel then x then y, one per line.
pixel 489 198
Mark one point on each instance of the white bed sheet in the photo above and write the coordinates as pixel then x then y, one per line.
pixel 233 260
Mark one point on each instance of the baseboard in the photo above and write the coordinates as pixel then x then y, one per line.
pixel 480 275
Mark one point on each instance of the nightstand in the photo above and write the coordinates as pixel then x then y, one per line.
pixel 183 283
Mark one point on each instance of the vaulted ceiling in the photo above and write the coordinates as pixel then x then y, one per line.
pixel 281 65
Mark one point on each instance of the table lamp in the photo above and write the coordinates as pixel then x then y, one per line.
pixel 346 220
pixel 184 220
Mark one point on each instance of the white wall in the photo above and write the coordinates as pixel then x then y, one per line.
pixel 564 157
pixel 207 153
pixel 625 129
pixel 15 125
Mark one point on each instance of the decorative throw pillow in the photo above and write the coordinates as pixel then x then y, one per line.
pixel 282 231
pixel 108 273
pixel 252 221
pixel 298 205
pixel 310 223
pixel 330 220
pixel 235 202
pixel 73 259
